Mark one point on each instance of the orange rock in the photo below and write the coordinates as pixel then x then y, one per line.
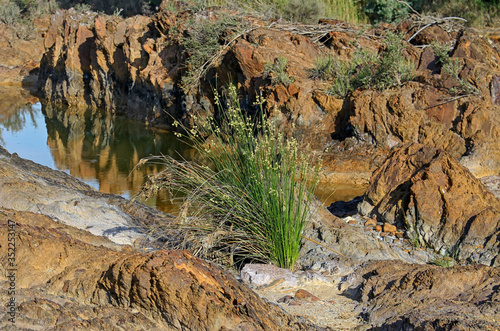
pixel 378 228
pixel 389 227
pixel 371 222
pixel 303 295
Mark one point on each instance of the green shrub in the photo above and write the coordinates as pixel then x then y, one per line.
pixel 277 72
pixel 10 13
pixel 203 42
pixel 384 10
pixel 366 70
pixel 253 199
pixel 393 68
pixel 325 67
pixel 452 67
pixel 305 11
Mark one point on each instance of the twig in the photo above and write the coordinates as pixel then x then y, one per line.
pixel 411 8
pixel 442 20
pixel 445 102
pixel 314 241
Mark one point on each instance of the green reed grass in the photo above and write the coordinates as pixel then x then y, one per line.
pixel 253 199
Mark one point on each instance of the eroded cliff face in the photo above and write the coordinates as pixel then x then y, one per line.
pixel 136 66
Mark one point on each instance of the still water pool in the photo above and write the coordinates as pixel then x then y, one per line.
pixel 99 148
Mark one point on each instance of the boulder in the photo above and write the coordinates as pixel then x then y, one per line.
pixel 442 205
pixel 65 278
pixel 401 296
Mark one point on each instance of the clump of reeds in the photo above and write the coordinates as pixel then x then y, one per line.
pixel 252 196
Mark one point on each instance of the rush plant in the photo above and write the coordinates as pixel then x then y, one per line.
pixel 251 198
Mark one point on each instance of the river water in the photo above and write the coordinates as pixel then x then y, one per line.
pixel 99 148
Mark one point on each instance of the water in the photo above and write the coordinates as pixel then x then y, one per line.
pixel 99 148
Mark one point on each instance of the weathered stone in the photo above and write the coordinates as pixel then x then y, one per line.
pixel 371 222
pixel 303 295
pixel 264 274
pixel 439 200
pixel 389 227
pixel 78 283
pixel 405 296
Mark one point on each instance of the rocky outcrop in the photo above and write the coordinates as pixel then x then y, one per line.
pixel 136 66
pixel 20 56
pixel 441 204
pixel 66 278
pixel 402 296
pixel 425 111
pixel 27 186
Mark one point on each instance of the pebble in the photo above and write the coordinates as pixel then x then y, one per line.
pixel 389 228
pixel 378 228
pixel 371 222
pixel 304 295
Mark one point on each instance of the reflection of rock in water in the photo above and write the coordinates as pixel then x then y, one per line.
pixel 101 146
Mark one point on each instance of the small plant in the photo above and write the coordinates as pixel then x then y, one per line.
pixel 82 7
pixel 203 42
pixel 325 67
pixel 366 70
pixel 277 72
pixel 452 67
pixel 412 227
pixel 252 199
pixel 10 13
pixel 385 10
pixel 446 260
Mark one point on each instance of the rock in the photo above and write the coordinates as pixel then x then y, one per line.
pixel 389 227
pixel 371 222
pixel 378 228
pixel 332 267
pixel 20 57
pixel 265 274
pixel 440 202
pixel 407 117
pixel 492 183
pixel 66 278
pixel 356 246
pixel 405 296
pixel 303 295
pixel 27 186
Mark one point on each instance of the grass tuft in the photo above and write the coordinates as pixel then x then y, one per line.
pixel 251 199
pixel 277 72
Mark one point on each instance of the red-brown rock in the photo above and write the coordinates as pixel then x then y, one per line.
pixel 438 200
pixel 78 283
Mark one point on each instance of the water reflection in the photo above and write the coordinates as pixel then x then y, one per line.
pixel 103 149
pixel 97 147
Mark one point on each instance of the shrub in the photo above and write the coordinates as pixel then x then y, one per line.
pixel 202 43
pixel 385 10
pixel 277 72
pixel 10 13
pixel 452 67
pixel 305 11
pixel 393 68
pixel 253 200
pixel 365 70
